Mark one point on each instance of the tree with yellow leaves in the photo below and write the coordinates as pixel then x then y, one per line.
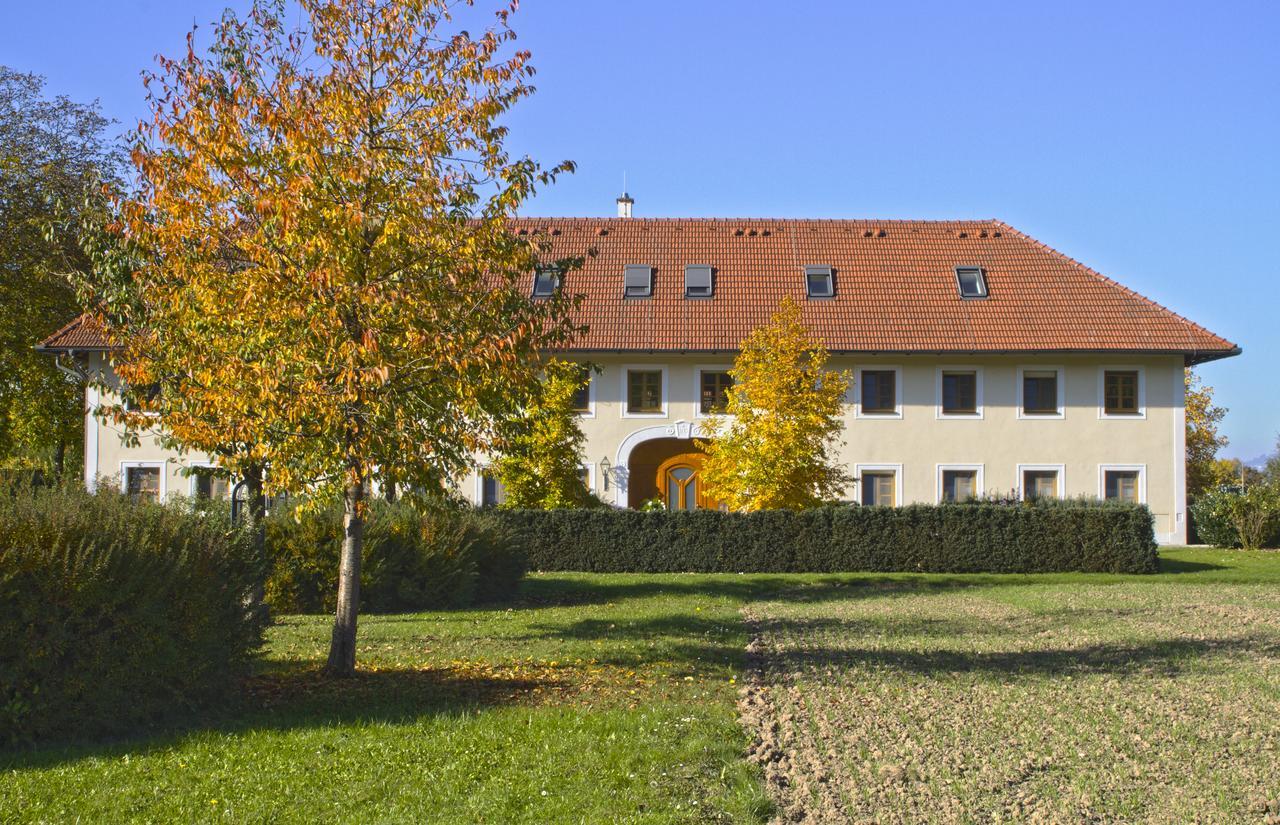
pixel 541 452
pixel 773 447
pixel 1204 472
pixel 317 271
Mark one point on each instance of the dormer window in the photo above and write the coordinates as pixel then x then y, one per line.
pixel 971 281
pixel 818 282
pixel 697 281
pixel 545 283
pixel 637 281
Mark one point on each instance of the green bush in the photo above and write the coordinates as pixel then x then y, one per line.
pixel 1231 517
pixel 416 557
pixel 959 538
pixel 117 615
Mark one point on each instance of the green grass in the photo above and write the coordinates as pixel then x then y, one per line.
pixel 611 698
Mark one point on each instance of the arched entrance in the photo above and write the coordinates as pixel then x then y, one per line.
pixel 641 456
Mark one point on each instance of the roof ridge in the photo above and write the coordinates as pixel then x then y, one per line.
pixel 732 219
pixel 1112 282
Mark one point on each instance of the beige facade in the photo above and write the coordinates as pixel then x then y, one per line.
pixel 915 443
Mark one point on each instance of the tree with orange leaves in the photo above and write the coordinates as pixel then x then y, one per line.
pixel 316 269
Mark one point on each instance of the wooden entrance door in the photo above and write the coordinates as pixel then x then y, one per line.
pixel 680 483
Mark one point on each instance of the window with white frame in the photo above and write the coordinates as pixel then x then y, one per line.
pixel 1040 392
pixel 491 492
pixel 644 392
pixel 878 392
pixel 959 482
pixel 584 396
pixel 879 485
pixel 143 481
pixel 1123 482
pixel 1037 481
pixel 1122 392
pixel 208 483
pixel 959 392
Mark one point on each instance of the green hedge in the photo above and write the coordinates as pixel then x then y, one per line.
pixel 117 615
pixel 955 538
pixel 420 556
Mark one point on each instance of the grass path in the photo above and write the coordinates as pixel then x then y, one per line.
pixel 612 698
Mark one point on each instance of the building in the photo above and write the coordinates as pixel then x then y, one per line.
pixel 983 361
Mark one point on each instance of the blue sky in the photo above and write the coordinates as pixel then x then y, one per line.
pixel 1138 137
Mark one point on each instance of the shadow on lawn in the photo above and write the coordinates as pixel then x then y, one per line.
pixel 1167 657
pixel 294 697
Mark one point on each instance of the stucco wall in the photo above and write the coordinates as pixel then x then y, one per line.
pixel 915 443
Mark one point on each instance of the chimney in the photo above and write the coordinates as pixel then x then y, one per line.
pixel 624 205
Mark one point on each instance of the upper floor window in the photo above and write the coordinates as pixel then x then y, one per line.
pixel 878 392
pixel 143 400
pixel 545 283
pixel 492 493
pixel 819 282
pixel 713 391
pixel 972 281
pixel 644 391
pixel 960 392
pixel 1041 393
pixel 1120 392
pixel 582 395
pixel 698 281
pixel 637 281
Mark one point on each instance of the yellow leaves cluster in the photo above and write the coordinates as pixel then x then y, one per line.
pixel 773 448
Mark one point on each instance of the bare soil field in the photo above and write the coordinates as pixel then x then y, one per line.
pixel 1022 698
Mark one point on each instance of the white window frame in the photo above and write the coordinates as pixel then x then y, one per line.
pixel 191 478
pixel 978 391
pixel 591 476
pixel 626 372
pixel 1140 469
pixel 1062 393
pixel 897 391
pixel 591 394
pixel 698 370
pixel 480 473
pixel 1102 393
pixel 980 481
pixel 1060 469
pixel 896 469
pixel 163 466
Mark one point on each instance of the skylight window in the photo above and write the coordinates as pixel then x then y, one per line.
pixel 637 281
pixel 972 282
pixel 697 281
pixel 818 282
pixel 545 283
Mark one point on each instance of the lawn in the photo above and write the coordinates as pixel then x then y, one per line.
pixel 612 698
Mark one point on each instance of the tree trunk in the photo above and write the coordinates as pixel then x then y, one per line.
pixel 257 511
pixel 391 492
pixel 342 647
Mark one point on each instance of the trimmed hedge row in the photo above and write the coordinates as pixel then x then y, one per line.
pixel 117 615
pixel 948 538
pixel 425 557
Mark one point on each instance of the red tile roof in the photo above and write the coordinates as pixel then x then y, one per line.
pixel 895 289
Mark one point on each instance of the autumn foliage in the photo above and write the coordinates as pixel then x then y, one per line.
pixel 316 269
pixel 774 447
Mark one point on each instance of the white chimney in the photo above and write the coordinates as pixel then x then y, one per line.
pixel 624 205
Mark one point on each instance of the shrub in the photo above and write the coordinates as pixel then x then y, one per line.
pixel 1052 536
pixel 117 615
pixel 416 557
pixel 1231 517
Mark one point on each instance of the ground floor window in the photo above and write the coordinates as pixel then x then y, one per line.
pixel 1121 485
pixel 959 484
pixel 878 488
pixel 142 483
pixel 492 493
pixel 206 485
pixel 1039 483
